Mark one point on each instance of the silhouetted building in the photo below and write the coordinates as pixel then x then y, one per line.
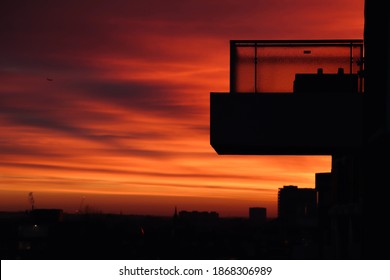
pixel 324 188
pixel 198 215
pixel 258 214
pixel 297 204
pixel 322 109
pixel 46 216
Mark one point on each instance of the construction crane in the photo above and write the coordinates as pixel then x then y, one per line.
pixel 31 200
pixel 81 205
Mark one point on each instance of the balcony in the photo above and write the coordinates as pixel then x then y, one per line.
pixel 301 97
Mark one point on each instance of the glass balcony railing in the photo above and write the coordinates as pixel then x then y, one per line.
pixel 287 66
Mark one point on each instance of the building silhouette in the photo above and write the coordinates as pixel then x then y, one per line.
pixel 297 204
pixel 258 214
pixel 333 96
pixel 198 215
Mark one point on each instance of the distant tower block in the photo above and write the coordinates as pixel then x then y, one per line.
pixel 258 214
pixel 296 203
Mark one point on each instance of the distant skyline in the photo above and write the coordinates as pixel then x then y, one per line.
pixel 108 102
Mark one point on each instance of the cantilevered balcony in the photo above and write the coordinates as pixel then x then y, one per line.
pixel 290 97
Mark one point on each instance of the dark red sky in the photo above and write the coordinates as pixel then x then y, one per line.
pixel 124 123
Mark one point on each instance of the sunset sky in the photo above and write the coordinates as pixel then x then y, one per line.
pixel 105 104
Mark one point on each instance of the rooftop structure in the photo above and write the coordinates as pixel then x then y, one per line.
pixel 290 97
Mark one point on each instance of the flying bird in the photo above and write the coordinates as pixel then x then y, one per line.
pixel 50 80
